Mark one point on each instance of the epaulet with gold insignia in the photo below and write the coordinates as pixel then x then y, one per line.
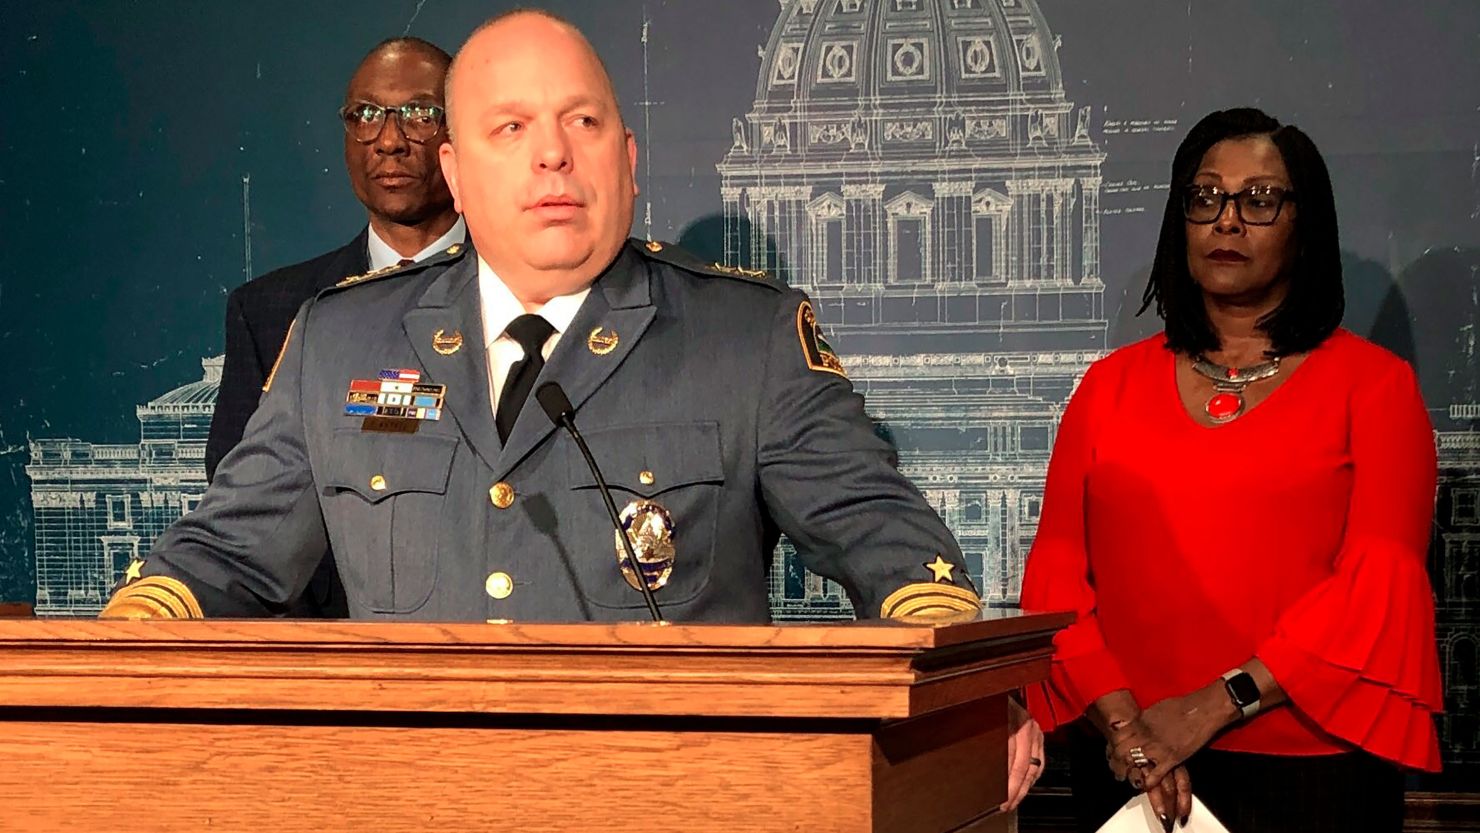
pixel 452 253
pixel 682 258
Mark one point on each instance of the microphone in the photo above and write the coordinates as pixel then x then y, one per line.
pixel 557 407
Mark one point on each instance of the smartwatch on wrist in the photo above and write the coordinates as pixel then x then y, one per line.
pixel 1243 691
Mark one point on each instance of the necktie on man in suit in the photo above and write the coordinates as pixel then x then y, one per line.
pixel 405 261
pixel 531 332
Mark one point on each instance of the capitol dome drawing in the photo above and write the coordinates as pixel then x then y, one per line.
pixel 969 52
pixel 901 143
pixel 915 166
pixel 199 395
pixel 98 507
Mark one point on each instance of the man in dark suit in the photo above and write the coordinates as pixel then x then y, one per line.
pixel 394 127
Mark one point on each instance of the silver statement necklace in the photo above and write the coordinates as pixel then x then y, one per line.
pixel 1227 402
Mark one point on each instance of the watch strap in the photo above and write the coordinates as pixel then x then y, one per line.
pixel 1243 691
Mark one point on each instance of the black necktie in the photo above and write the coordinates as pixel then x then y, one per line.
pixel 405 261
pixel 531 331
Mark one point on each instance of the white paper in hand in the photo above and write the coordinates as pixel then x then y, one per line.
pixel 1138 817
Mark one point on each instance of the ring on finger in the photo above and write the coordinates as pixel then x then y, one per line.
pixel 1035 761
pixel 1138 758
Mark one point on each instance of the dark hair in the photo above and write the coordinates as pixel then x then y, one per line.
pixel 426 46
pixel 1313 307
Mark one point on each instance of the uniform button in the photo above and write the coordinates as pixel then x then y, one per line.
pixel 645 477
pixel 499 585
pixel 377 483
pixel 502 495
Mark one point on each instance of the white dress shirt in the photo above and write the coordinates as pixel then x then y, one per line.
pixel 382 255
pixel 500 307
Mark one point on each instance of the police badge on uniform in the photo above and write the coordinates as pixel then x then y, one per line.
pixel 649 528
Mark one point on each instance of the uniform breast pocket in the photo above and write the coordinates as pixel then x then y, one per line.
pixel 677 466
pixel 384 499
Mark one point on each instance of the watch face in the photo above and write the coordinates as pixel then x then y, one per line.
pixel 1243 689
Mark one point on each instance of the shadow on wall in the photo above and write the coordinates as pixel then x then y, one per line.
pixel 1375 307
pixel 1441 289
pixel 705 238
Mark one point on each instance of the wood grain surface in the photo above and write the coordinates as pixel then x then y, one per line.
pixel 855 671
pixel 329 726
pixel 279 779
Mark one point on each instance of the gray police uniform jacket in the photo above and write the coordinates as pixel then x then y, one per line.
pixel 709 392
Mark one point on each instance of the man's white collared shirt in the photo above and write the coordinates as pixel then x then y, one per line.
pixel 382 255
pixel 500 308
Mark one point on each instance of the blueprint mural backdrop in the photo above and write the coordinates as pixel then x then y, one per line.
pixel 969 189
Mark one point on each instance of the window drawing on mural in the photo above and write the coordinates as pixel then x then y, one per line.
pixel 942 210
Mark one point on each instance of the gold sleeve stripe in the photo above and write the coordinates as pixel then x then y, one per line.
pixel 144 604
pixel 136 605
pixel 926 599
pixel 273 373
pixel 155 597
pixel 176 597
pixel 134 608
pixel 937 614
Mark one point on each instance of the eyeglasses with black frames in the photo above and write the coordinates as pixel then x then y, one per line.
pixel 420 122
pixel 1257 205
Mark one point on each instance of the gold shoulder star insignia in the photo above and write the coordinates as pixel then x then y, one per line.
pixel 941 568
pixel 133 572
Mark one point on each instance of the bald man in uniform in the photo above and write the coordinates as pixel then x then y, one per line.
pixel 709 398
pixel 398 424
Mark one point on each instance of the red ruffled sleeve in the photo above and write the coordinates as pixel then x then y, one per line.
pixel 1056 577
pixel 1357 652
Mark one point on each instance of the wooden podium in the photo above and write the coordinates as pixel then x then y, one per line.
pixel 324 726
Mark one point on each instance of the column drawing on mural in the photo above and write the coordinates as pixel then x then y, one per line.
pixel 98 507
pixel 1436 326
pixel 1454 568
pixel 915 167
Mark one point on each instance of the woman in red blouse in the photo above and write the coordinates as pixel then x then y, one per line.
pixel 1238 512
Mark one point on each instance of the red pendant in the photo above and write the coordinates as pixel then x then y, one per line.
pixel 1224 406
